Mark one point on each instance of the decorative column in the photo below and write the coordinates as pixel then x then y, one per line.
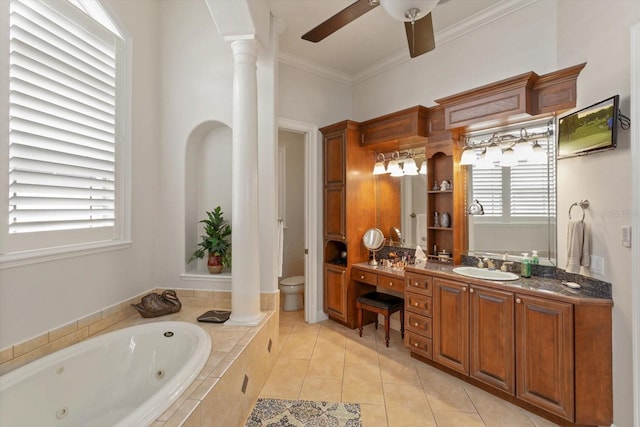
pixel 245 281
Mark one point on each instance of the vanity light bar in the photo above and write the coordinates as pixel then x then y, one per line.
pixel 395 159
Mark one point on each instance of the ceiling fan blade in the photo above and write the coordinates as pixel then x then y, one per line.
pixel 339 20
pixel 420 36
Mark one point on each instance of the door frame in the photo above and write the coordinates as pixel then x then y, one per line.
pixel 313 311
pixel 635 217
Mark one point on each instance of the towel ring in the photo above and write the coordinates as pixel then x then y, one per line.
pixel 584 204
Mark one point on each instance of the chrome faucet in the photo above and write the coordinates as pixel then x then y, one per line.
pixel 490 264
pixel 480 263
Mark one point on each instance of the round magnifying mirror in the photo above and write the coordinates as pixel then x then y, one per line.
pixel 373 240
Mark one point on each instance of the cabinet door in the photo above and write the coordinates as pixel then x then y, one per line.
pixel 492 351
pixel 451 324
pixel 334 213
pixel 334 158
pixel 335 291
pixel 544 354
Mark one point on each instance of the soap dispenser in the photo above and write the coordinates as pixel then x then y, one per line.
pixel 534 258
pixel 525 267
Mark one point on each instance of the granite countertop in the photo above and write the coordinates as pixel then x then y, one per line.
pixel 535 285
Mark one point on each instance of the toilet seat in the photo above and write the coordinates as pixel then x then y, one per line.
pixel 293 281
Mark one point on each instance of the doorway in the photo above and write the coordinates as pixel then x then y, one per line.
pixel 313 311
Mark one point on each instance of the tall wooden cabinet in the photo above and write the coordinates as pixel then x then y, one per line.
pixel 349 210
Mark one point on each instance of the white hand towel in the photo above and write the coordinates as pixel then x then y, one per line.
pixel 421 230
pixel 577 247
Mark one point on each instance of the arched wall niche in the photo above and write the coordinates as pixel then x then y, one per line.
pixel 207 183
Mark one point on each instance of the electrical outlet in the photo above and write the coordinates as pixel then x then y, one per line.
pixel 626 236
pixel 597 265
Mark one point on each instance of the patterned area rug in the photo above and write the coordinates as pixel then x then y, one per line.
pixel 303 413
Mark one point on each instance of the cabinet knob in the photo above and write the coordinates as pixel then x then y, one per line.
pixel 416 324
pixel 362 277
pixel 415 304
pixel 470 290
pixel 518 300
pixel 416 344
pixel 464 289
pixel 390 283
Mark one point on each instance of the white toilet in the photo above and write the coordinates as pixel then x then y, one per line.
pixel 293 289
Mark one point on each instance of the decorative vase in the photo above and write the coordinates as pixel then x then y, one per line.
pixel 445 220
pixel 214 264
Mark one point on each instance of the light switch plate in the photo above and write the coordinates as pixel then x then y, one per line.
pixel 626 236
pixel 597 265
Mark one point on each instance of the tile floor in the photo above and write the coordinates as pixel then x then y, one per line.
pixel 327 361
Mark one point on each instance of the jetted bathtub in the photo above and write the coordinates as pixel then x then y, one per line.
pixel 128 377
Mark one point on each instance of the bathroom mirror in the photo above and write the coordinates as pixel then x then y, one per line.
pixel 518 202
pixel 401 202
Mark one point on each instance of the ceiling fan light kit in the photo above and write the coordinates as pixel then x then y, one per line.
pixel 408 10
pixel 416 15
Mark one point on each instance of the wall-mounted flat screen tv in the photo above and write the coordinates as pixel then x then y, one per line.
pixel 588 130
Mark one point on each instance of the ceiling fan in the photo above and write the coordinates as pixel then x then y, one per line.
pixel 416 15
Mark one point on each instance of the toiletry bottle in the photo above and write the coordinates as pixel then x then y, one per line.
pixel 525 268
pixel 534 258
pixel 436 219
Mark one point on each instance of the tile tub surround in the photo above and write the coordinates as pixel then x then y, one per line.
pixel 215 396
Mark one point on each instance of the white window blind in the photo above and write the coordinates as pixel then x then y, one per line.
pixel 524 191
pixel 62 124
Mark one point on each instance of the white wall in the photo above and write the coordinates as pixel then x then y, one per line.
pixel 43 296
pixel 543 37
pixel 599 35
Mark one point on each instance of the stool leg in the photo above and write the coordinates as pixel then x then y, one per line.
pixel 402 323
pixel 360 319
pixel 376 322
pixel 386 330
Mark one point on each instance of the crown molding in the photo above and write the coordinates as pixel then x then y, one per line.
pixel 444 36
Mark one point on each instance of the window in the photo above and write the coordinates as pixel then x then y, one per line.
pixel 66 119
pixel 522 193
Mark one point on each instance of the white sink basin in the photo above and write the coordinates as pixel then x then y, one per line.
pixel 483 273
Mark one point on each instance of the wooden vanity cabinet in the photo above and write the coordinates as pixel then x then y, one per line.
pixel 335 291
pixel 492 335
pixel 451 324
pixel 418 309
pixel 544 354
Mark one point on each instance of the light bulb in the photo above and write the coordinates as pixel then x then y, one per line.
pixel 410 167
pixel 379 168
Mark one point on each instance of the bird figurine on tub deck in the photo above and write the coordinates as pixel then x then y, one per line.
pixel 154 304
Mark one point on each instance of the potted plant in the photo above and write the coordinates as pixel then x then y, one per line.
pixel 216 242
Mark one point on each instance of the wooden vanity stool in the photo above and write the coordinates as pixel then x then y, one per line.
pixel 381 303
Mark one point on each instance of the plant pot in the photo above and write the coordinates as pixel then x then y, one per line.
pixel 214 264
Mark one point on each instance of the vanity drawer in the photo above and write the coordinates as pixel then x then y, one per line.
pixel 418 323
pixel 364 276
pixel 417 304
pixel 393 283
pixel 420 345
pixel 419 283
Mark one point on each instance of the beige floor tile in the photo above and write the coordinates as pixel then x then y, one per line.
pixel 361 352
pixel 328 361
pixel 445 392
pixel 321 389
pixel 286 379
pixel 362 384
pixel 539 421
pixel 496 412
pixel 298 346
pixel 398 370
pixel 373 415
pixel 457 419
pixel 407 405
pixel 327 365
